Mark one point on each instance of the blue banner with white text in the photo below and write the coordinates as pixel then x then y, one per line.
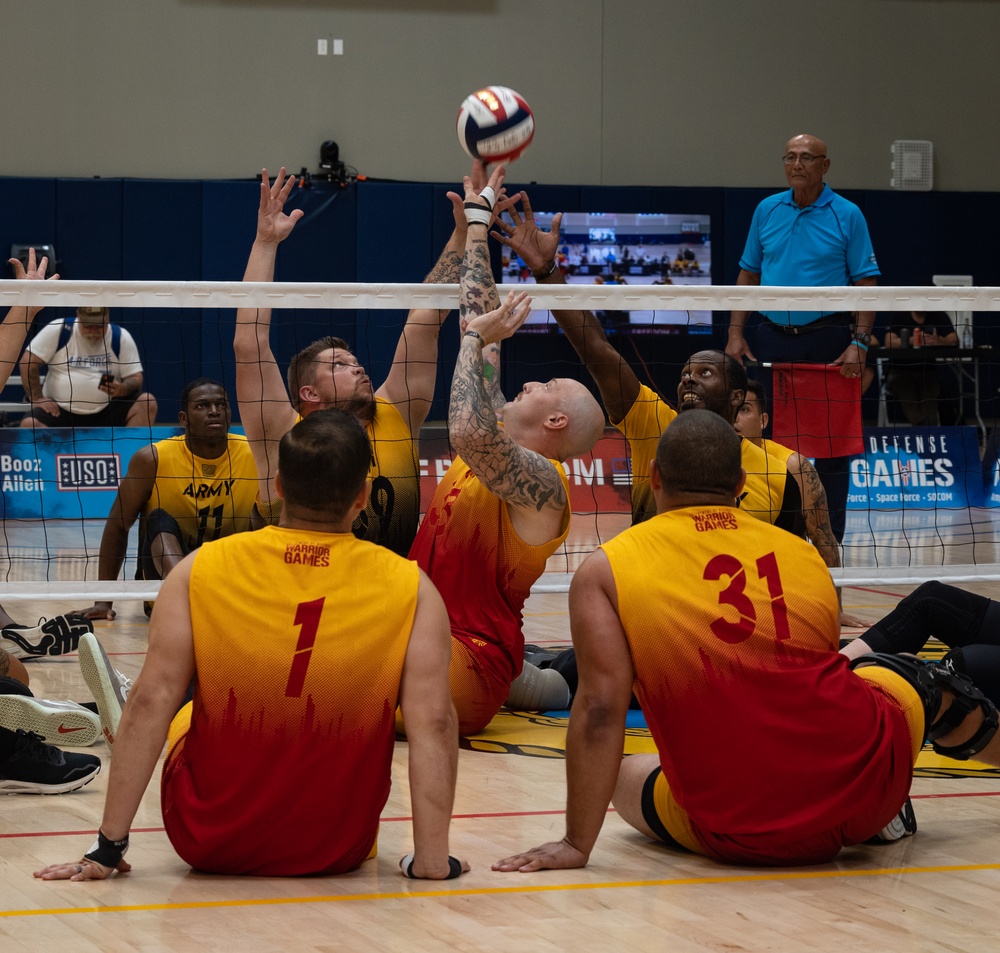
pixel 60 473
pixel 917 467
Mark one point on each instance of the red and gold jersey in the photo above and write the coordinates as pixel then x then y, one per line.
pixel 482 568
pixel 764 734
pixel 209 497
pixel 299 640
pixel 771 493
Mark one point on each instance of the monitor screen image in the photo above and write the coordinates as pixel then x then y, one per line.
pixel 627 248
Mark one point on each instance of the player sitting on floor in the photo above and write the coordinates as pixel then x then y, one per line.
pixel 296 681
pixel 185 491
pixel 771 750
pixel 503 506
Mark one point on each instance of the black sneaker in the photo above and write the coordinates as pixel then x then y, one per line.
pixel 902 825
pixel 38 768
pixel 540 657
pixel 56 636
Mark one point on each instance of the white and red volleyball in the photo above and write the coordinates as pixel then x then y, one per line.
pixel 495 124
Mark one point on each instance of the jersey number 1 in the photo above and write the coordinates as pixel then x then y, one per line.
pixel 307 616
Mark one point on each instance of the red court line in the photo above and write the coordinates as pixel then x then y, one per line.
pixel 385 820
pixel 454 817
pixel 877 592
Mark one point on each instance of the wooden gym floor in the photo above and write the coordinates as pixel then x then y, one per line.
pixel 934 891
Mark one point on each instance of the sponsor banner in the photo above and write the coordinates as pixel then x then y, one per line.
pixel 65 474
pixel 923 467
pixel 598 482
pixel 59 473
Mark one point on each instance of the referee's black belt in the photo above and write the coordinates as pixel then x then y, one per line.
pixel 828 320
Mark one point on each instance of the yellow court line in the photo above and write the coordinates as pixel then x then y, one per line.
pixel 527 888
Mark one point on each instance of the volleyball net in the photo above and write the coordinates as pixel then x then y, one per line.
pixel 922 500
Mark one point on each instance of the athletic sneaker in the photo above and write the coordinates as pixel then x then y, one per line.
pixel 38 768
pixel 65 722
pixel 902 825
pixel 55 636
pixel 109 687
pixel 541 657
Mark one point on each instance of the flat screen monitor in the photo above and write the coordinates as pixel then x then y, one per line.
pixel 627 248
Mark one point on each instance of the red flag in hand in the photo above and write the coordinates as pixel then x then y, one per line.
pixel 816 410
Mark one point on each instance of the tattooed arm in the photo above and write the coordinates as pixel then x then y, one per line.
pixel 816 515
pixel 815 512
pixel 411 380
pixel 522 478
pixel 478 292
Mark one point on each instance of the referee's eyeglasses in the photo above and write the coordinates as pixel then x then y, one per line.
pixel 805 158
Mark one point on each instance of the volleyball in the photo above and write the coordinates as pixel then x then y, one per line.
pixel 495 124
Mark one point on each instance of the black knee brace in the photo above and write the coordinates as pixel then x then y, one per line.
pixel 929 679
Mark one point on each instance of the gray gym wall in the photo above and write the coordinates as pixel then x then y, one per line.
pixel 657 92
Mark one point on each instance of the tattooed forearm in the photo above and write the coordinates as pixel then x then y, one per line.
pixel 519 476
pixel 472 420
pixel 478 295
pixel 816 514
pixel 447 269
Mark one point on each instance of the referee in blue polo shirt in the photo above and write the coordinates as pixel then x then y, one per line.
pixel 807 237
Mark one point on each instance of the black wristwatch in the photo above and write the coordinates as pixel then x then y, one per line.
pixel 864 337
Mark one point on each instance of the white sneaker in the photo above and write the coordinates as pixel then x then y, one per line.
pixel 109 687
pixel 904 824
pixel 55 636
pixel 65 723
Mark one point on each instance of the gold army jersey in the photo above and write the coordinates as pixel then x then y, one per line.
pixel 299 641
pixel 771 493
pixel 393 510
pixel 209 497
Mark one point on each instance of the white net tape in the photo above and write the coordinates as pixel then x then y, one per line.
pixel 955 545
pixel 236 294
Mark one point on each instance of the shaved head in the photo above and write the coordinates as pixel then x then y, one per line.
pixel 559 419
pixel 586 420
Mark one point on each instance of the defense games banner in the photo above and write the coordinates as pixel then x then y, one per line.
pixel 917 467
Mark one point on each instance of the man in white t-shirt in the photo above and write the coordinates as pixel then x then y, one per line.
pixel 93 377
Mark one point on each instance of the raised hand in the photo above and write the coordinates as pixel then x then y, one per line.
pixel 500 324
pixel 273 225
pixel 480 177
pixel 537 249
pixel 34 272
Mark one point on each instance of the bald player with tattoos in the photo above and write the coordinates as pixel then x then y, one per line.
pixel 503 506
